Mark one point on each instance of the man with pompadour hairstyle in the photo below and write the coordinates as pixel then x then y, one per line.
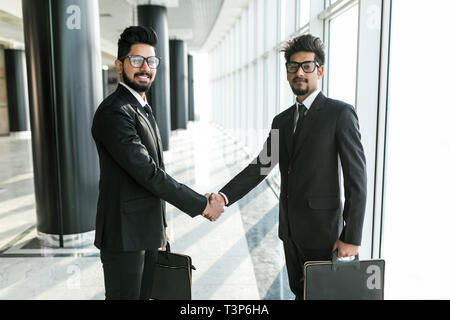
pixel 134 187
pixel 314 134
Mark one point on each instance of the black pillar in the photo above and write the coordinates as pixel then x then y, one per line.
pixel 191 108
pixel 105 75
pixel 159 95
pixel 178 84
pixel 16 87
pixel 65 87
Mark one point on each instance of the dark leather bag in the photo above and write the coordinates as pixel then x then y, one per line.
pixel 172 278
pixel 339 280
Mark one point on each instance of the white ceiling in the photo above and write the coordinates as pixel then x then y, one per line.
pixel 201 23
pixel 189 20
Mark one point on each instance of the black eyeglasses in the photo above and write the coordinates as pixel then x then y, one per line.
pixel 307 66
pixel 137 61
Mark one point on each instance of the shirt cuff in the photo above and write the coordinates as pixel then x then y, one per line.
pixel 226 199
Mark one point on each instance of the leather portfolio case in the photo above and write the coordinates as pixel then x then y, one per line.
pixel 344 280
pixel 172 277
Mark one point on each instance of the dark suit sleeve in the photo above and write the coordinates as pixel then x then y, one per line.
pixel 256 171
pixel 353 163
pixel 117 132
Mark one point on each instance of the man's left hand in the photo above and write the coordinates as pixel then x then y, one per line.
pixel 345 249
pixel 164 247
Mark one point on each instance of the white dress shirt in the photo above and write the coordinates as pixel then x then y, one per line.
pixel 307 103
pixel 142 101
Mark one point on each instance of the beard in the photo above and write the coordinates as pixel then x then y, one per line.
pixel 136 86
pixel 299 92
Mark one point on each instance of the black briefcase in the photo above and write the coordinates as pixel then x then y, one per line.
pixel 172 278
pixel 340 280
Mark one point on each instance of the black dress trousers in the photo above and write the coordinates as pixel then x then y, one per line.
pixel 128 275
pixel 295 260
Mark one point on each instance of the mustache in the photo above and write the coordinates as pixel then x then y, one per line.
pixel 300 79
pixel 143 74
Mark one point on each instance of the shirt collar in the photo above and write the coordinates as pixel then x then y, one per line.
pixel 143 102
pixel 309 100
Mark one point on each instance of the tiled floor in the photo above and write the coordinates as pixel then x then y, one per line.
pixel 237 257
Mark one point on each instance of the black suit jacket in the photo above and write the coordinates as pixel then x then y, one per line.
pixel 311 212
pixel 133 185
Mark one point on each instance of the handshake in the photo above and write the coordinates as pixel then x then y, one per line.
pixel 214 207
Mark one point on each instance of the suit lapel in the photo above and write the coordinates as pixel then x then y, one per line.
pixel 288 126
pixel 158 136
pixel 308 123
pixel 141 112
pixel 154 135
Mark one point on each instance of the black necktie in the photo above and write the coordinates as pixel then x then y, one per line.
pixel 150 117
pixel 152 121
pixel 302 110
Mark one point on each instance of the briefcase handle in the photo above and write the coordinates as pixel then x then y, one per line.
pixel 338 264
pixel 168 247
pixel 168 251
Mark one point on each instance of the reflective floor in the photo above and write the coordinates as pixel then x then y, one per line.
pixel 237 257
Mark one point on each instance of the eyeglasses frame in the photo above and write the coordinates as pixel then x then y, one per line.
pixel 145 59
pixel 300 65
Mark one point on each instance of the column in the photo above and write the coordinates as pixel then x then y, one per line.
pixel 4 122
pixel 191 108
pixel 62 41
pixel 178 84
pixel 159 95
pixel 17 91
pixel 105 75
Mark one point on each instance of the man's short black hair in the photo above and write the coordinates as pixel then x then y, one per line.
pixel 308 43
pixel 133 35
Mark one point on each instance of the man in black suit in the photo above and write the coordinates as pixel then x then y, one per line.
pixel 134 186
pixel 313 135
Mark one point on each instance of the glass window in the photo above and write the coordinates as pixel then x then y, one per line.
pixel 243 30
pixel 244 106
pixel 260 23
pixel 238 44
pixel 290 15
pixel 416 235
pixel 272 81
pixel 259 99
pixel 331 2
pixel 251 110
pixel 239 105
pixel 304 12
pixel 343 47
pixel 236 104
pixel 233 44
pixel 271 28
pixel 251 32
pixel 287 97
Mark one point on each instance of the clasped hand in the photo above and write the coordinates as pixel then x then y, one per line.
pixel 214 207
